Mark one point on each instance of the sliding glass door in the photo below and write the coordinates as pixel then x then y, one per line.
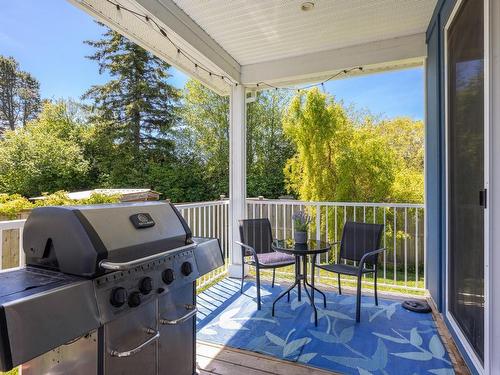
pixel 466 195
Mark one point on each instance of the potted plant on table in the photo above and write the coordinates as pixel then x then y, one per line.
pixel 301 222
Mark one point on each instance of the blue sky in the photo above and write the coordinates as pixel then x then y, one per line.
pixel 46 37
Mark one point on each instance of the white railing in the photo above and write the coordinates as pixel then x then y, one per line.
pixel 209 219
pixel 206 219
pixel 401 267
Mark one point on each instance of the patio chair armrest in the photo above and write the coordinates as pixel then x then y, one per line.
pixel 247 247
pixel 366 256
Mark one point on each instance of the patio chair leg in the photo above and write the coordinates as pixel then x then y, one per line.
pixel 297 273
pixel 242 274
pixel 257 277
pixel 274 275
pixel 340 289
pixel 358 300
pixel 375 287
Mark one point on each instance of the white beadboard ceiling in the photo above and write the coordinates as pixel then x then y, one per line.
pixel 250 41
pixel 255 31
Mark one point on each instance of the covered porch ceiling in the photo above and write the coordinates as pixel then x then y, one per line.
pixel 274 42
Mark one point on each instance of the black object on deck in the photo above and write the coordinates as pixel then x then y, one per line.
pixel 417 306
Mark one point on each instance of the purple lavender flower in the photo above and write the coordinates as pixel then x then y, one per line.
pixel 301 221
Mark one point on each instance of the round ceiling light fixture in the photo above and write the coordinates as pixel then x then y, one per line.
pixel 307 6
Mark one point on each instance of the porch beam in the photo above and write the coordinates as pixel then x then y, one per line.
pixel 390 54
pixel 237 174
pixel 182 25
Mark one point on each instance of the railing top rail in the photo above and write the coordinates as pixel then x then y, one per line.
pixel 202 204
pixel 12 224
pixel 347 204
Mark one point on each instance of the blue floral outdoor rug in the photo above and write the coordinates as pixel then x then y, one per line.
pixel 388 340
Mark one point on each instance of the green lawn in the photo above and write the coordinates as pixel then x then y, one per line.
pixel 330 279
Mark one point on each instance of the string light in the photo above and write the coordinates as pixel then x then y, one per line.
pixel 322 83
pixel 210 73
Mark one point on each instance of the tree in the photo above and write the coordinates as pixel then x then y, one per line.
pixel 137 108
pixel 205 131
pixel 338 159
pixel 321 132
pixel 267 147
pixel 19 95
pixel 44 156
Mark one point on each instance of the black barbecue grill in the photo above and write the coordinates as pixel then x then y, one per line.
pixel 107 289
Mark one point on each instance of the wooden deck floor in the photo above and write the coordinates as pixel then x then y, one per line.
pixel 222 360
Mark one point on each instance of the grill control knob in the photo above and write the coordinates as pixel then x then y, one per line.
pixel 146 285
pixel 118 296
pixel 186 268
pixel 134 299
pixel 168 276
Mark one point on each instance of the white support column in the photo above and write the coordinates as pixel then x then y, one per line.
pixel 237 174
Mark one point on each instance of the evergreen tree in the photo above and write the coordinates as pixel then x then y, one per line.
pixel 19 95
pixel 137 107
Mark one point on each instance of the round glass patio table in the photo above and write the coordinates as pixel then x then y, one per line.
pixel 301 252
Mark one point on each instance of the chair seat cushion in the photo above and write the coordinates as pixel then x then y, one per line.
pixel 344 269
pixel 275 258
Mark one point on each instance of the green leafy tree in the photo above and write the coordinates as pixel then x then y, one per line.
pixel 340 159
pixel 320 129
pixel 267 148
pixel 205 131
pixel 44 156
pixel 12 205
pixel 19 95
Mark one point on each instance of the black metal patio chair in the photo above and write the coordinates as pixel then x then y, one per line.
pixel 360 244
pixel 256 238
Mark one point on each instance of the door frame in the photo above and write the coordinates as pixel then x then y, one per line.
pixel 482 368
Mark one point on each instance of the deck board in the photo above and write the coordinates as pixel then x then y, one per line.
pixel 223 360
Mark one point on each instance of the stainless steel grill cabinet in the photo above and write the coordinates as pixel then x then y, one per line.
pixel 108 289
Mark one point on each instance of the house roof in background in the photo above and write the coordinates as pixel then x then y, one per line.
pixel 126 194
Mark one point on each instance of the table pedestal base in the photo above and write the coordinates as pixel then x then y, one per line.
pixel 301 280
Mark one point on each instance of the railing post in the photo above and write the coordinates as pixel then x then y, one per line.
pixel 22 258
pixel 237 173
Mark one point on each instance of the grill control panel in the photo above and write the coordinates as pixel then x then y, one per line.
pixel 122 291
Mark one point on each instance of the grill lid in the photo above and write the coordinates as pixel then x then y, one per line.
pixel 76 239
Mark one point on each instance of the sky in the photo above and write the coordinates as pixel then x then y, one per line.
pixel 46 38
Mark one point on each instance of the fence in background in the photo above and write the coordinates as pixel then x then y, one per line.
pixel 402 266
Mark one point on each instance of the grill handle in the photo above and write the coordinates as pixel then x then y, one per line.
pixel 131 352
pixel 123 266
pixel 192 312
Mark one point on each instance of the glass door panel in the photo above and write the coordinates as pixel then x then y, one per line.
pixel 465 53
